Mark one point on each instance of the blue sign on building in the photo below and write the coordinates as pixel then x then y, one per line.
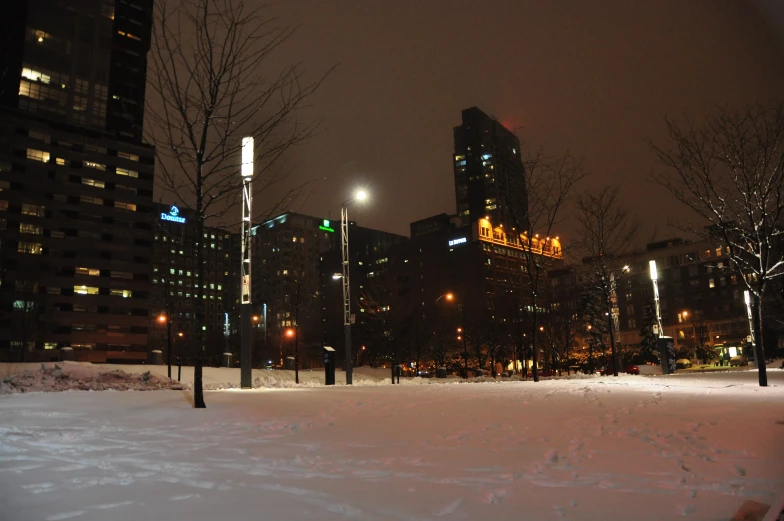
pixel 173 216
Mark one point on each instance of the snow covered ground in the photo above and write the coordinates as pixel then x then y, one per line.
pixel 633 447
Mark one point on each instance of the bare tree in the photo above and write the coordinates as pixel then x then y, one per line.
pixel 730 172
pixel 534 216
pixel 210 73
pixel 606 232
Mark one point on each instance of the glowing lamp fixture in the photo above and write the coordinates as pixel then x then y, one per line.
pixel 247 157
pixel 626 268
pixel 162 318
pixel 361 195
pixel 654 273
pixel 289 333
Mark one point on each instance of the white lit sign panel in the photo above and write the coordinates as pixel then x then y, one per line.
pixel 247 157
pixel 459 240
pixel 173 216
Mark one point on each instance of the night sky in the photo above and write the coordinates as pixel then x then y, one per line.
pixel 596 77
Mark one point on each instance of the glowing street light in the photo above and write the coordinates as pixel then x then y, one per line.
pixel 164 318
pixel 246 348
pixel 359 196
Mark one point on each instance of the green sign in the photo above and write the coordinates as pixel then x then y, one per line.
pixel 325 225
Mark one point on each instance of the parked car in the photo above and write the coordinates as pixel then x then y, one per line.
pixel 739 360
pixel 682 363
pixel 631 369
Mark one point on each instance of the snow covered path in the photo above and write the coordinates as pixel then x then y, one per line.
pixel 632 448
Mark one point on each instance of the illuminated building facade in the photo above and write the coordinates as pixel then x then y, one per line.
pixel 487 165
pixel 286 255
pixel 175 284
pixel 701 298
pixel 76 180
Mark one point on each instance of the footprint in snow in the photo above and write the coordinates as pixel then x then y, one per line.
pixel 740 470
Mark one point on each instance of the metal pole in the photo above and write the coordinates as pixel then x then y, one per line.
pixel 346 293
pixel 296 336
pixel 168 340
pixel 246 343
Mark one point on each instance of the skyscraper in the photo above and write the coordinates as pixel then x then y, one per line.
pixel 488 169
pixel 76 180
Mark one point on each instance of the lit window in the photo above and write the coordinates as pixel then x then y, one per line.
pixel 127 155
pixel 33 209
pixel 126 206
pixel 90 199
pixel 38 155
pixel 61 162
pixel 87 271
pixel 125 293
pixel 33 229
pixel 85 290
pixel 80 103
pixel 35 75
pixel 711 283
pixel 33 248
pixel 97 166
pixel 129 173
pixel 93 182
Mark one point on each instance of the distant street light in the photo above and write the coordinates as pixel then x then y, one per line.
pixel 359 196
pixel 451 297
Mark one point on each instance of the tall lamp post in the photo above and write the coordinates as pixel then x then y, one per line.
pixel 245 300
pixel 747 300
pixel 359 196
pixel 167 318
pixel 655 282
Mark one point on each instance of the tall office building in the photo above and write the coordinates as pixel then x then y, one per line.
pixel 175 285
pixel 488 168
pixel 286 252
pixel 76 180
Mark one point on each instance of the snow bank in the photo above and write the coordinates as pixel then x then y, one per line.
pixel 68 376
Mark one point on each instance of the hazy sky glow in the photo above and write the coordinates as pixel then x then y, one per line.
pixel 596 77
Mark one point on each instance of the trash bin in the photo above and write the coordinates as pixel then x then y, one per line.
pixel 479 372
pixel 329 365
pixel 155 357
pixel 227 360
pixel 288 363
pixel 441 372
pixel 66 353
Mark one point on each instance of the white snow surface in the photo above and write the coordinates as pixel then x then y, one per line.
pixel 633 447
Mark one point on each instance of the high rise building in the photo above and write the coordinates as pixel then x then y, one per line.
pixel 175 285
pixel 286 253
pixel 76 180
pixel 488 168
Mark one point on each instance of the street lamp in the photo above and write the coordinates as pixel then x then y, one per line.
pixel 747 300
pixel 451 297
pixel 246 171
pixel 166 318
pixel 359 196
pixel 654 280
